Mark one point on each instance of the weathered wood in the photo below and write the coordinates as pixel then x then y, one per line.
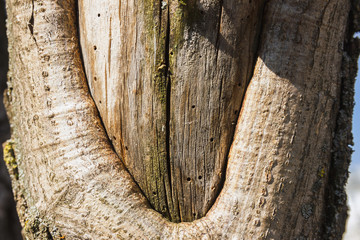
pixel 168 80
pixel 71 183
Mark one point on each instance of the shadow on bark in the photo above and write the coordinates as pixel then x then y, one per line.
pixel 287 49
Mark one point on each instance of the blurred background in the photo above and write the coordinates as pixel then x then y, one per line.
pixel 9 224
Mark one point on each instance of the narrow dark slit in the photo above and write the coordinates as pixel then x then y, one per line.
pixel 167 109
pixel 31 21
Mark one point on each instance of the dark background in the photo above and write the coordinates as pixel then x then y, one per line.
pixel 9 223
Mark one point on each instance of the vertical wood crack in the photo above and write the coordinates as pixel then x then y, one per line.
pixel 168 99
pixel 31 22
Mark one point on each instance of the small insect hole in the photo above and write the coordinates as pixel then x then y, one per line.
pixel 154 193
pixel 98 14
pixel 126 148
pixel 95 78
pixel 188 179
pixel 45 74
pixel 200 177
pixel 193 106
pixel 114 137
pixel 95 47
pixel 211 139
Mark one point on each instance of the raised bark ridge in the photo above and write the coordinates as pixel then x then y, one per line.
pixel 72 184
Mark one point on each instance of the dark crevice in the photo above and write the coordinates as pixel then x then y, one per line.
pixel 48 234
pixel 168 103
pixel 31 22
pixel 217 42
pixel 160 15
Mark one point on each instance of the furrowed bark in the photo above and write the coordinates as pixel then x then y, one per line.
pixel 70 182
pixel 336 197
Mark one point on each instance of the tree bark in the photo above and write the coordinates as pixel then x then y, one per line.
pixel 9 222
pixel 285 169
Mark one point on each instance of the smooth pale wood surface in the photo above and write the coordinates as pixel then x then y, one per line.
pixel 71 183
pixel 168 79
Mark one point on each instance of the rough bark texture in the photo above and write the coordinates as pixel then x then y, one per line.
pixel 69 182
pixel 336 207
pixel 168 82
pixel 9 223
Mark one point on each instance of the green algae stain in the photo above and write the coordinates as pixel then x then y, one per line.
pixel 10 160
pixel 165 23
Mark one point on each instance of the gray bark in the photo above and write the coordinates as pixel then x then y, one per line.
pixel 282 174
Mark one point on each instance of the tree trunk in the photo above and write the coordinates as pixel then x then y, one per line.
pixel 208 119
pixel 9 222
pixel 169 90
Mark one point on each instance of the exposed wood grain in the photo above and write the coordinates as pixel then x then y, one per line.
pixel 168 80
pixel 71 183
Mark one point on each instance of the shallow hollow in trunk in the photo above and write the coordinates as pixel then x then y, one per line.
pixel 168 80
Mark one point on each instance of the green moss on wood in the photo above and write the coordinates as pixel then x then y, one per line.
pixel 165 25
